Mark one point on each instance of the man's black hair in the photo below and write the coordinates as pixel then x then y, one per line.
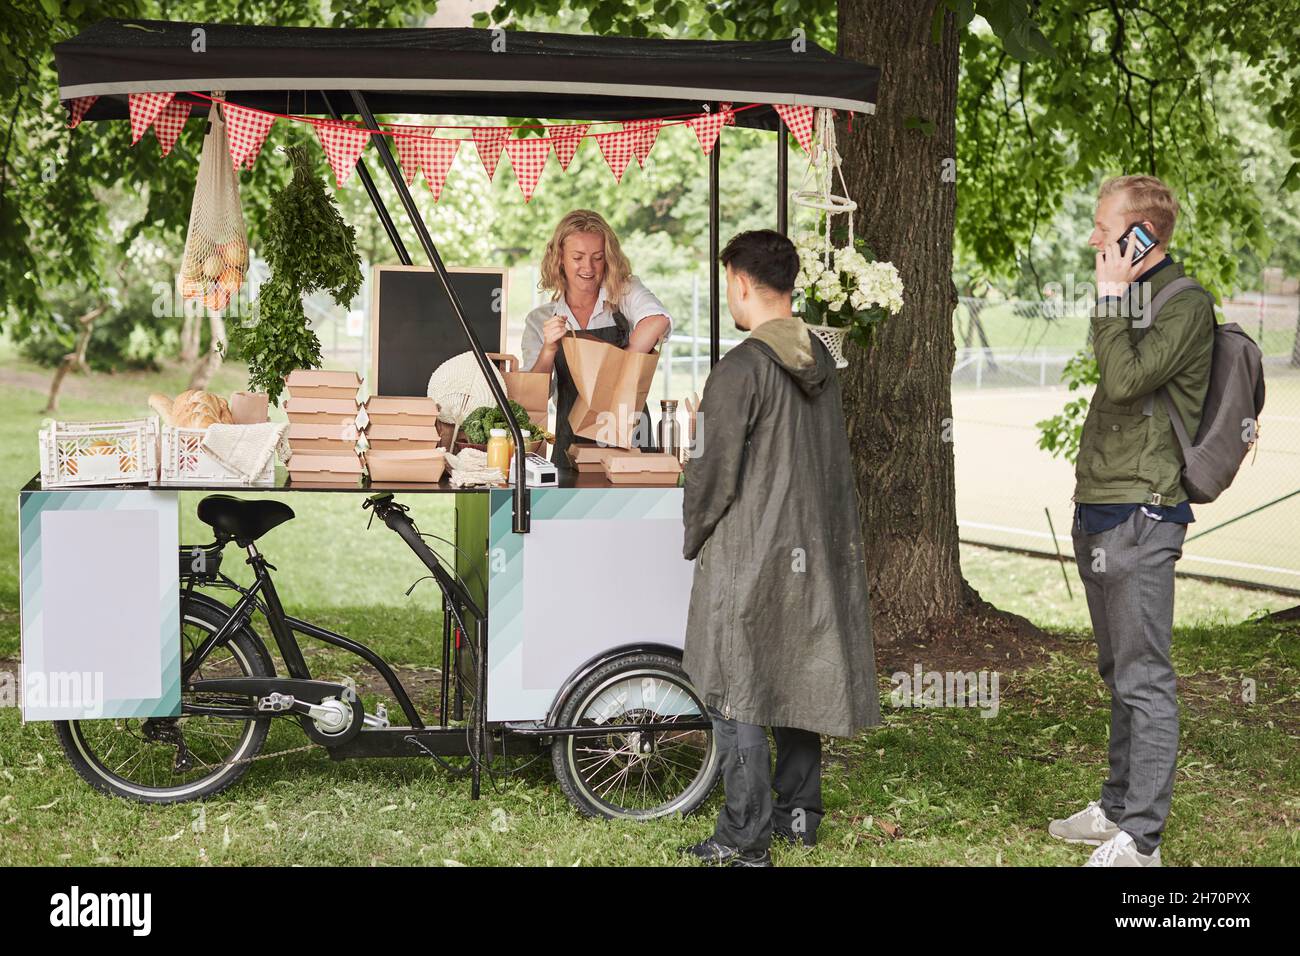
pixel 764 255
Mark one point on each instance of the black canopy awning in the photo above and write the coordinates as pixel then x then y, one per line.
pixel 455 71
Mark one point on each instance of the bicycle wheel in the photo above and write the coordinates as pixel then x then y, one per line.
pixel 139 759
pixel 635 775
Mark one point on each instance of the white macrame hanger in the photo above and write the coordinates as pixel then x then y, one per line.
pixel 815 191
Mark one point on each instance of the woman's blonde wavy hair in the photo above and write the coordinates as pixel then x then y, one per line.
pixel 617 269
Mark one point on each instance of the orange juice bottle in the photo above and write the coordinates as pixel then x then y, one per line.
pixel 498 451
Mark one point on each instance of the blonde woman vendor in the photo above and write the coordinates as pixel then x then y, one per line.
pixel 593 290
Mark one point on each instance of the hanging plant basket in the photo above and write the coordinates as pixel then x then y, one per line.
pixel 833 338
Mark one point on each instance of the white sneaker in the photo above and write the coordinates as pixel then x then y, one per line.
pixel 1090 825
pixel 1122 851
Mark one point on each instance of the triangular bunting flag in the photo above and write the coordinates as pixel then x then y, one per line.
pixel 169 123
pixel 617 148
pixel 422 151
pixel 77 109
pixel 438 158
pixel 145 108
pixel 490 140
pixel 246 131
pixel 343 144
pixel 707 126
pixel 729 113
pixel 528 157
pixel 411 147
pixel 799 120
pixel 644 133
pixel 567 139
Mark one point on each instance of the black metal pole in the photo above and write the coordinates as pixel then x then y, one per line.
pixel 446 662
pixel 715 336
pixel 372 191
pixel 782 179
pixel 520 490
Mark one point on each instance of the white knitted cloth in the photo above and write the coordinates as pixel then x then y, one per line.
pixel 245 449
pixel 469 467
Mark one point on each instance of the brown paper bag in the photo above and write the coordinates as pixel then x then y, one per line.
pixel 612 387
pixel 532 390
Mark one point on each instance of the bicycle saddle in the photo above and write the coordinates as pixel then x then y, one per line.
pixel 244 521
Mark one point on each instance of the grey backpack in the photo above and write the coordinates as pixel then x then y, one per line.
pixel 1230 417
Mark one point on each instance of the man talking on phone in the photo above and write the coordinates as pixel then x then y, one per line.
pixel 1132 511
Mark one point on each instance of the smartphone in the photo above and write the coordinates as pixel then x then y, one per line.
pixel 1145 241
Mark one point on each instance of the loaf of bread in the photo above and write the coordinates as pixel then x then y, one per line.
pixel 193 408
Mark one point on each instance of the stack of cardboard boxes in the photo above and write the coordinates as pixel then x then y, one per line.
pixel 322 409
pixel 401 437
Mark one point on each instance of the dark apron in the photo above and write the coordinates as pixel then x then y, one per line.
pixel 566 394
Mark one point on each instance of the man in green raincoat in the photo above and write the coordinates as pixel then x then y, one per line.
pixel 778 632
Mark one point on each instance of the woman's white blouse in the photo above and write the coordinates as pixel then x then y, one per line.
pixel 638 303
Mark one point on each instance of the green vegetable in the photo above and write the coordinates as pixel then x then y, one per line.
pixel 308 246
pixel 483 419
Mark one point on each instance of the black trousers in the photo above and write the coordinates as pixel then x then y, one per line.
pixel 749 812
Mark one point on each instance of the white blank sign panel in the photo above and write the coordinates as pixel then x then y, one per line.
pixel 100 623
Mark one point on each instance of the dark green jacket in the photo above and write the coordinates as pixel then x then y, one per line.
pixel 1128 452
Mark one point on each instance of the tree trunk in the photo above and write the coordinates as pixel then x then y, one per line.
pixel 76 359
pixel 898 396
pixel 211 361
pixel 191 335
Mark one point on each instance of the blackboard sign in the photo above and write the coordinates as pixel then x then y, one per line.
pixel 413 329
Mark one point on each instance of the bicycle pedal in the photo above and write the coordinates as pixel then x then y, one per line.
pixel 379 719
pixel 276 702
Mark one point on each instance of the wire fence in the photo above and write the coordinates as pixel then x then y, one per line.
pixel 1007 379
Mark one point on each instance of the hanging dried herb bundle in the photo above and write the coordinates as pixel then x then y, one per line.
pixel 308 247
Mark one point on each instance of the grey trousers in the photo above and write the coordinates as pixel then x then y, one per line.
pixel 1128 576
pixel 749 812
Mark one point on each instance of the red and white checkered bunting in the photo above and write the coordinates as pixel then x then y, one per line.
pixel 729 113
pixel 799 120
pixel 167 127
pixel 567 139
pixel 707 126
pixel 343 144
pixel 420 152
pixel 617 148
pixel 528 157
pixel 437 161
pixel 411 148
pixel 490 140
pixel 77 109
pixel 145 108
pixel 644 132
pixel 246 131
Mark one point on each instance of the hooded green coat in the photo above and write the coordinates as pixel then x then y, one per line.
pixel 778 632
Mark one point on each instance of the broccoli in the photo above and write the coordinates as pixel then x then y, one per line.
pixel 483 419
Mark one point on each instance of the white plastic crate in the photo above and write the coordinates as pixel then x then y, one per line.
pixel 185 462
pixel 74 454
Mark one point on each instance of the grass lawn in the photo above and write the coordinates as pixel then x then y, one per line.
pixel 942 786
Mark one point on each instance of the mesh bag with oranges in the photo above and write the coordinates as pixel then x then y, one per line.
pixel 216 248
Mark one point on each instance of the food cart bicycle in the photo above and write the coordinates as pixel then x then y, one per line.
pixel 628 735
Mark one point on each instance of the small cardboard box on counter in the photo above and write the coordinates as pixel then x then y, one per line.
pixel 656 468
pixel 397 410
pixel 321 411
pixel 402 437
pixel 336 438
pixel 312 465
pixel 418 466
pixel 591 458
pixel 316 383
